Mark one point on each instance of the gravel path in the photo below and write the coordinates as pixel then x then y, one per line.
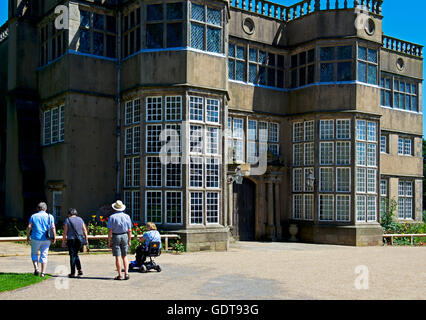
pixel 249 271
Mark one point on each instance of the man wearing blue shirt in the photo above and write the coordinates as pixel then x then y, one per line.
pixel 38 226
pixel 119 237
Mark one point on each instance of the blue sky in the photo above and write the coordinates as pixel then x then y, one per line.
pixel 402 20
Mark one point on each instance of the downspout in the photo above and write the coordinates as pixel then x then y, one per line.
pixel 118 99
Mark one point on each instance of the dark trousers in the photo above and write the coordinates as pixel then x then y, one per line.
pixel 73 248
pixel 141 254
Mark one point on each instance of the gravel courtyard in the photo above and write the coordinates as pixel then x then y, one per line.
pixel 249 271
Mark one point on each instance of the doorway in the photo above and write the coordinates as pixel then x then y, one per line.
pixel 244 196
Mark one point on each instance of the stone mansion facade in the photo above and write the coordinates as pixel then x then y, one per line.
pixel 215 119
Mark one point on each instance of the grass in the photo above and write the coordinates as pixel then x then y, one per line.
pixel 12 281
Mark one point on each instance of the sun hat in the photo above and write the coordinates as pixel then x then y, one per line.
pixel 118 206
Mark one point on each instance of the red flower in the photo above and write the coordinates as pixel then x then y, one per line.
pixel 135 224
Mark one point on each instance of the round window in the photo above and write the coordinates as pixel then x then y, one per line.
pixel 248 26
pixel 370 26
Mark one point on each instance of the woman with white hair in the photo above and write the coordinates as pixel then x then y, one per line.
pixel 38 227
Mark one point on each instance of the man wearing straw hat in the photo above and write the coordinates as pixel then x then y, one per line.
pixel 119 236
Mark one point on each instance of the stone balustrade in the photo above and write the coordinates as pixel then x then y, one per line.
pixel 402 46
pixel 305 7
pixel 4 32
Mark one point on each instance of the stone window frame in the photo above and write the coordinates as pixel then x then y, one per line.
pixel 132 200
pixel 174 132
pixel 212 111
pixel 302 66
pixel 176 219
pixel 371 218
pixel 131 174
pixel 367 62
pixel 149 200
pixel 58 42
pixel 298 182
pixel 305 213
pixel 173 173
pixel 263 61
pixel 298 154
pixel 152 141
pixel 390 84
pixel 332 202
pixel 234 59
pixel 343 158
pixel 212 164
pixel 348 182
pixel 326 132
pixel 252 141
pixel 173 108
pixel 92 31
pixel 335 61
pixel 348 214
pixel 366 133
pixel 154 109
pixel 329 181
pixel 212 213
pixel 206 25
pixel 384 190
pixel 196 139
pixel 131 31
pixel 196 172
pixel 199 218
pixel 298 207
pixel 325 154
pixel 212 139
pixel 384 143
pixel 402 148
pixel 153 172
pixel 165 21
pixel 53 134
pixel 57 203
pixel 405 197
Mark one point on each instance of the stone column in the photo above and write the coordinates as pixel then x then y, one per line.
pixel 260 223
pixel 278 212
pixel 270 228
pixel 230 203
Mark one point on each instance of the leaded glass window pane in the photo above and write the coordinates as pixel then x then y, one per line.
pixel 327 53
pixel 174 11
pixel 344 53
pixel 362 71
pixel 253 55
pixel 372 74
pixel 213 16
pixel 327 72
pixel 231 69
pixel 197 36
pixel 372 55
pixel 98 43
pixel 213 39
pixel 98 21
pixel 240 71
pixel 84 45
pixel 154 12
pixel 154 35
pixel 252 73
pixel 174 35
pixel 197 12
pixel 344 71
pixel 84 19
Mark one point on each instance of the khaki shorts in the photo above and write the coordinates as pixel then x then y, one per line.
pixel 120 244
